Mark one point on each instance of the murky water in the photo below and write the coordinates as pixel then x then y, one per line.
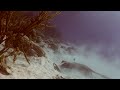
pixel 98 32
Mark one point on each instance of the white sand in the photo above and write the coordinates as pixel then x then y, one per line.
pixel 42 68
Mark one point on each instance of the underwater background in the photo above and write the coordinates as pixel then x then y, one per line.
pixel 89 48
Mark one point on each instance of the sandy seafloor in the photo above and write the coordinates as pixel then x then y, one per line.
pixel 42 68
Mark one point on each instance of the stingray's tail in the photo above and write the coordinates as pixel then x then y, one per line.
pixel 101 75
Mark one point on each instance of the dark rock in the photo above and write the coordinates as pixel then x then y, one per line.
pixel 58 77
pixel 31 52
pixel 56 67
pixel 70 49
pixel 52 46
pixel 3 71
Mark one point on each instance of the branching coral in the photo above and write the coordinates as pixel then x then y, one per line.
pixel 18 32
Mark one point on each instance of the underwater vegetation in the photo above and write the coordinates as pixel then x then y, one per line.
pixel 19 33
